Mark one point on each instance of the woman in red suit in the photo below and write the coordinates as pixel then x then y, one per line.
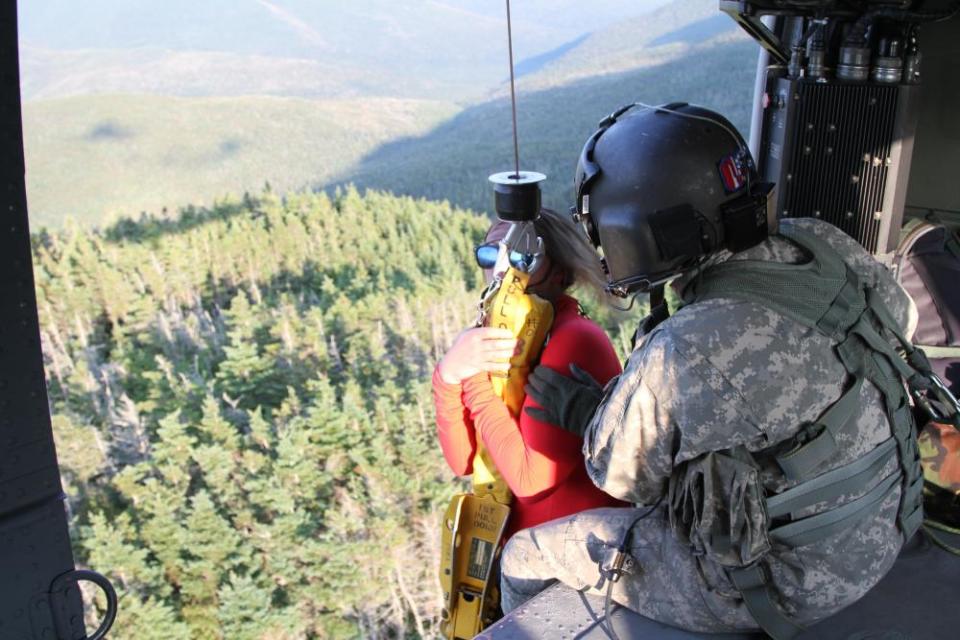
pixel 542 464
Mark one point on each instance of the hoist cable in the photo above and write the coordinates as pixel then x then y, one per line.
pixel 513 99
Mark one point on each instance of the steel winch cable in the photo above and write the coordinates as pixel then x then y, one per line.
pixel 513 98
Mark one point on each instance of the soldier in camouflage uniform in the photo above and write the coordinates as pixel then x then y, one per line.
pixel 706 400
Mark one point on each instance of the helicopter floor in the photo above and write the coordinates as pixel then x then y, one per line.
pixel 917 600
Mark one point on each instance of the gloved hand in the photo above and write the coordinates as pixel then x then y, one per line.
pixel 568 403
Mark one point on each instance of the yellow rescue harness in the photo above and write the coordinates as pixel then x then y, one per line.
pixel 474 523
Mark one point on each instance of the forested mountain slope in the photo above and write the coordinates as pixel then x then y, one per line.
pixel 242 411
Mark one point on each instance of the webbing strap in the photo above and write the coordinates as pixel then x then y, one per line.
pixel 922 382
pixel 800 461
pixel 825 524
pixel 850 478
pixel 915 489
pixel 752 584
pixel 903 425
pixel 921 378
pixel 879 344
pixel 938 351
pixel 845 308
pixel 912 522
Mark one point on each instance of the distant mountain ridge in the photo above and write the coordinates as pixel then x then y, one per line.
pixel 640 41
pixel 48 73
pixel 450 49
pixel 684 51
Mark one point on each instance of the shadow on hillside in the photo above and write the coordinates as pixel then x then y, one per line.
pixel 452 161
pixel 533 64
pixel 109 130
pixel 151 226
pixel 697 31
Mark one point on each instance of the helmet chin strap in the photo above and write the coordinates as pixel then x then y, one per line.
pixel 659 311
pixel 657 296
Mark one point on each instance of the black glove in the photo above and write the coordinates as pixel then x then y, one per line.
pixel 568 403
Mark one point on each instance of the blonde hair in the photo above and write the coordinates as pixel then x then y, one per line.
pixel 566 245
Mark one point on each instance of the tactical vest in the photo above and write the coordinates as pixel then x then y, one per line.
pixel 828 296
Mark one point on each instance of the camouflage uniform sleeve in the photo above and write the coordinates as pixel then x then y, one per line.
pixel 667 407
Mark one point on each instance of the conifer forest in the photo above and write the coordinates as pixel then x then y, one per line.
pixel 242 410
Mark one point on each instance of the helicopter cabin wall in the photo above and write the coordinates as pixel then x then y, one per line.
pixel 34 543
pixel 935 172
pixel 863 134
pixel 838 120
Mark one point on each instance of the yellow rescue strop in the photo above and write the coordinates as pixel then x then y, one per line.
pixel 474 523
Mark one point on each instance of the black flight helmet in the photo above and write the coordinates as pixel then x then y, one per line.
pixel 659 189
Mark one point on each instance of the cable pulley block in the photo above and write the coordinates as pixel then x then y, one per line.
pixel 517 195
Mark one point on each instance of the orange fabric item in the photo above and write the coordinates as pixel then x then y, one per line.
pixel 542 464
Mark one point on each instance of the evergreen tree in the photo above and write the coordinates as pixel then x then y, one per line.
pixel 148 619
pixel 245 373
pixel 246 612
pixel 108 544
pixel 211 549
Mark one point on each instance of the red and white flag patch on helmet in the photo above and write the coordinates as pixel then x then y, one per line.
pixel 731 173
